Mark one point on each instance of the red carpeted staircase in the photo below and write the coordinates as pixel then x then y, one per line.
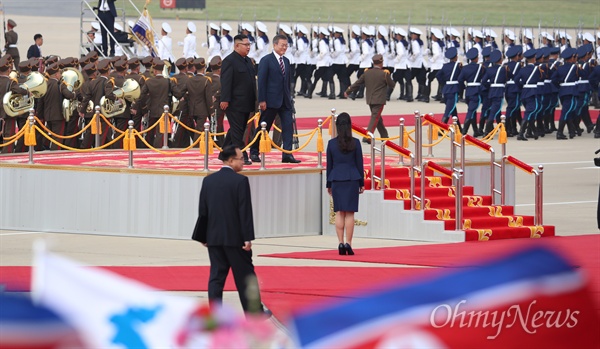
pixel 481 221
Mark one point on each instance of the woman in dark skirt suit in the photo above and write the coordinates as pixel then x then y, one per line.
pixel 345 180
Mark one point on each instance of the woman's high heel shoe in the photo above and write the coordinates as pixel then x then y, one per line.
pixel 342 249
pixel 349 249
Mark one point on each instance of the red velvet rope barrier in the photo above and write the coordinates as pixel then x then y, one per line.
pixel 398 148
pixel 439 124
pixel 359 129
pixel 478 143
pixel 523 166
pixel 440 169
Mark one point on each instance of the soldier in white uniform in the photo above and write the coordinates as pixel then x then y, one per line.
pixel 248 30
pixel 214 42
pixel 382 47
pixel 401 69
pixel 226 40
pixel 415 58
pixel 436 61
pixel 285 29
pixel 353 55
pixel 189 42
pixel 366 57
pixel 301 54
pixel 323 64
pixel 165 46
pixel 262 42
pixel 338 63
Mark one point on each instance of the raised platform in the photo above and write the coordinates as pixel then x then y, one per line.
pixel 96 193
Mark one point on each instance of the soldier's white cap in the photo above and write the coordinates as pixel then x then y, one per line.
pixel 454 32
pixel 588 36
pixel 528 33
pixel 248 27
pixel 491 33
pixel 323 30
pixel 565 35
pixel 400 31
pixel 478 33
pixel 214 26
pixel 96 25
pixel 356 29
pixel 365 30
pixel 286 28
pixel 338 30
pixel 330 28
pixel 226 26
pixel 131 24
pixel 191 27
pixel 262 27
pixel 438 33
pixel 118 27
pixel 549 37
pixel 301 28
pixel 166 27
pixel 415 30
pixel 470 31
pixel 510 34
pixel 598 35
pixel 382 30
pixel 372 30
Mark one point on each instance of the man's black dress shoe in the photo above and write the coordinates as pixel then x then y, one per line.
pixel 255 157
pixel 290 160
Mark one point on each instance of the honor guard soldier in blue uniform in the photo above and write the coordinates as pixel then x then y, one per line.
pixel 527 79
pixel 543 92
pixel 470 80
pixel 449 75
pixel 512 91
pixel 494 80
pixel 553 64
pixel 483 90
pixel 595 82
pixel 584 53
pixel 566 78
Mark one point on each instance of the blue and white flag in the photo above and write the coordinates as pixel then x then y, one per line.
pixel 143 31
pixel 531 299
pixel 108 310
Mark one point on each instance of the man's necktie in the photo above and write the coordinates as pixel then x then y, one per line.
pixel 281 66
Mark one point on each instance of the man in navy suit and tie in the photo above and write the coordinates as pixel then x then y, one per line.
pixel 275 97
pixel 107 13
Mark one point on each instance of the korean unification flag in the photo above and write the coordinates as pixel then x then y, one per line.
pixel 143 31
pixel 108 310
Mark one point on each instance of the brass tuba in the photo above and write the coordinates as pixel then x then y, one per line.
pixel 130 91
pixel 15 104
pixel 73 79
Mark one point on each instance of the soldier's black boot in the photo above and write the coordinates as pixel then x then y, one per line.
pixel 402 94
pixel 331 90
pixel 409 93
pixel 560 132
pixel 323 92
pixel 524 125
pixel 467 125
pixel 361 92
pixel 571 128
pixel 311 88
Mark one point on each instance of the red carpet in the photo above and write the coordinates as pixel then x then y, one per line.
pixel 284 289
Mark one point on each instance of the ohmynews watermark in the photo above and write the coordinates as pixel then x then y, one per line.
pixel 528 317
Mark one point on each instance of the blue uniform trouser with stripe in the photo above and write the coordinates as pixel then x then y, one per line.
pixel 473 104
pixel 451 100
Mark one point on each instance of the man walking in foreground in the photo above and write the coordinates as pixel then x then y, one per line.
pixel 226 227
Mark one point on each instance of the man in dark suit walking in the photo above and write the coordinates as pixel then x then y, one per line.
pixel 274 96
pixel 35 50
pixel 238 91
pixel 226 227
pixel 107 13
